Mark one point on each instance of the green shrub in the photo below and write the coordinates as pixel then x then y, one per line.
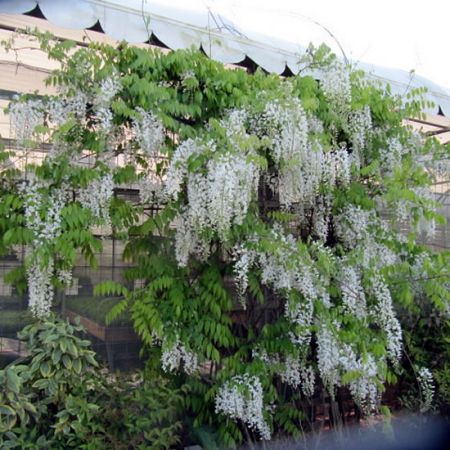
pixel 59 399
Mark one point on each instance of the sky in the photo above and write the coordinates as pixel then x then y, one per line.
pixel 408 35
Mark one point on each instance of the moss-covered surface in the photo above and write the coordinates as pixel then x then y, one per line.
pixel 96 309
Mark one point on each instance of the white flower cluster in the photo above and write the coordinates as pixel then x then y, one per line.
pixel 308 381
pixel 291 372
pixel 336 167
pixel 328 351
pixel 43 217
pixel 301 315
pixel 322 216
pixel 187 241
pixel 440 168
pixel 40 287
pixel 391 156
pixel 60 109
pixel 335 82
pixel 64 276
pixel 301 161
pixel 105 118
pixel 353 296
pixel 242 398
pixel 218 196
pixel 25 116
pixel 148 132
pixel 290 369
pixel 217 201
pixel 315 125
pixel 299 164
pixel 352 225
pixel 335 358
pixel 360 126
pixel 176 355
pixel 231 184
pixel 376 254
pixel 285 269
pixel 384 315
pixel 151 189
pixel 109 87
pixel 234 125
pixel 178 168
pixel 288 269
pixel 363 387
pixel 419 272
pixel 244 260
pixel 97 197
pixel 43 213
pixel 287 127
pixel 426 383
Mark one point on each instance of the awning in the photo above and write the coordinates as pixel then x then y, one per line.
pixel 138 21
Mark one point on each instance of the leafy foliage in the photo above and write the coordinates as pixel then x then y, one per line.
pixel 274 254
pixel 46 400
pixel 57 398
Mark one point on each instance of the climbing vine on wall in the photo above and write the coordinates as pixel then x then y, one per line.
pixel 274 267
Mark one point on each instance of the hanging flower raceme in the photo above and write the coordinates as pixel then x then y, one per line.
pixel 176 355
pixel 352 224
pixel 360 128
pixel 426 384
pixel 40 287
pixel 353 296
pixel 242 398
pixel 97 197
pixel 219 193
pixel 299 164
pixel 43 211
pixel 107 90
pixel 335 82
pixel 59 109
pixel 43 218
pixel 384 315
pixel 25 117
pixel 149 133
pixel 335 359
pixel 231 184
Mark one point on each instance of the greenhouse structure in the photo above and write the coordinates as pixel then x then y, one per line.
pixel 25 66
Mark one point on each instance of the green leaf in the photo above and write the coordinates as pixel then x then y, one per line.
pixel 351 376
pixel 7 410
pixel 76 364
pixel 56 356
pixel 45 369
pixel 110 288
pixel 13 382
pixel 67 361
